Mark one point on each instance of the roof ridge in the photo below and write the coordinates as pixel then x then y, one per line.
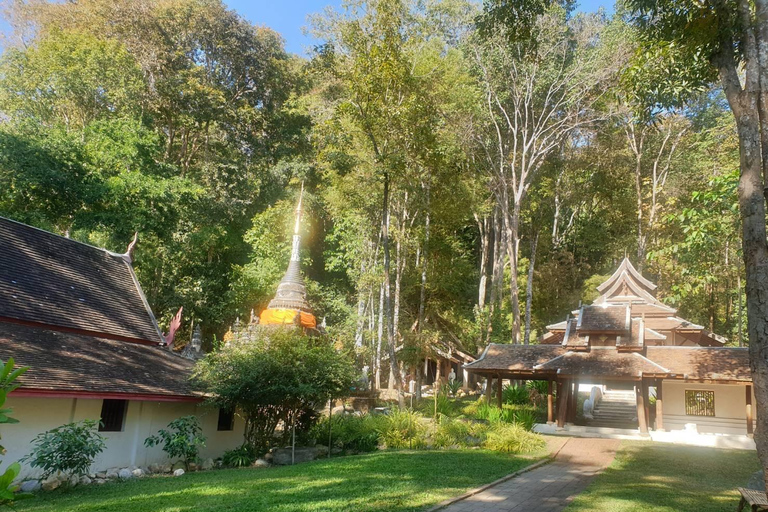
pixel 62 237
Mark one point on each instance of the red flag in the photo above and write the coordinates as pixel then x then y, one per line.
pixel 172 328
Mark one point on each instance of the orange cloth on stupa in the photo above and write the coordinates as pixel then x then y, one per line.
pixel 287 317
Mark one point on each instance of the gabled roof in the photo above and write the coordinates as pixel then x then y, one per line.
pixel 626 272
pixel 67 364
pixel 515 357
pixel 602 363
pixel 57 283
pixel 608 317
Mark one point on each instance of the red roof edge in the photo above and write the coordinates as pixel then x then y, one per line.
pixel 53 393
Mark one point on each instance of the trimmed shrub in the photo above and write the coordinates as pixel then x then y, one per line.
pixel 512 438
pixel 451 432
pixel 70 448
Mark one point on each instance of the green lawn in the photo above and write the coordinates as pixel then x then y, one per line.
pixel 391 481
pixel 668 478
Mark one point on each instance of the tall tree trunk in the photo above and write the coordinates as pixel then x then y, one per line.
pixel 380 336
pixel 483 229
pixel 512 227
pixel 388 291
pixel 497 274
pixel 529 289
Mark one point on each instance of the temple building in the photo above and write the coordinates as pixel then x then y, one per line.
pixel 636 351
pixel 76 315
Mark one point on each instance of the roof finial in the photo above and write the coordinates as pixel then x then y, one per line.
pixel 296 238
pixel 131 246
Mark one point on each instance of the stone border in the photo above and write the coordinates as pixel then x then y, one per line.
pixel 451 501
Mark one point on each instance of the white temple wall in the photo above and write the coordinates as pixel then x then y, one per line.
pixel 730 408
pixel 126 448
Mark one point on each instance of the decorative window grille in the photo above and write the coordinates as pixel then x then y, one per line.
pixel 699 403
pixel 113 415
pixel 226 420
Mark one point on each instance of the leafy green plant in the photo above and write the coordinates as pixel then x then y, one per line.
pixel 70 448
pixel 525 418
pixel 453 387
pixel 517 395
pixel 8 491
pixel 183 439
pixel 512 438
pixel 451 432
pixel 403 428
pixel 493 414
pixel 350 432
pixel 239 457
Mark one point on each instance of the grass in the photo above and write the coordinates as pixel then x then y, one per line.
pixel 668 478
pixel 395 481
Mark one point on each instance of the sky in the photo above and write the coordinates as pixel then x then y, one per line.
pixel 287 17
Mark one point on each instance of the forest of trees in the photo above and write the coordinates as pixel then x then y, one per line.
pixel 462 173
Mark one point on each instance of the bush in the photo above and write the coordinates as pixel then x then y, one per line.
pixel 182 440
pixel 524 418
pixel 403 428
pixel 8 490
pixel 349 432
pixel 493 414
pixel 512 438
pixel 240 457
pixel 451 432
pixel 453 387
pixel 70 448
pixel 517 395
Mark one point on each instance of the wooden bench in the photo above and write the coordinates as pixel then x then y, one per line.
pixel 757 500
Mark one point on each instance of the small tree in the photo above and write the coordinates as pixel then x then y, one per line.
pixel 70 448
pixel 274 378
pixel 182 440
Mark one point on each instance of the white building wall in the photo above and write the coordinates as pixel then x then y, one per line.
pixel 126 448
pixel 730 408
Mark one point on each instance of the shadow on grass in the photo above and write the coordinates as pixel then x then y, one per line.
pixel 391 481
pixel 662 477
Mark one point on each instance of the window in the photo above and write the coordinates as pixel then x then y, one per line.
pixel 113 415
pixel 226 419
pixel 699 403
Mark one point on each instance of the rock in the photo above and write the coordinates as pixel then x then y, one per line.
pixel 155 468
pixel 124 474
pixel 757 481
pixel 112 473
pixel 261 463
pixel 100 481
pixel 138 472
pixel 100 475
pixel 50 483
pixel 193 466
pixel 167 468
pixel 74 480
pixel 30 486
pixel 178 472
pixel 85 480
pixel 282 456
pixel 268 456
pixel 207 464
pixel 178 465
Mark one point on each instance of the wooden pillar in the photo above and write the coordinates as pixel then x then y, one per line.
pixel 659 406
pixel 640 400
pixel 488 389
pixel 749 408
pixel 498 391
pixel 465 379
pixel 562 402
pixel 647 402
pixel 550 411
pixel 574 405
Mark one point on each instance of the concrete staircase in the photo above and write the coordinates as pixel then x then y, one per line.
pixel 617 409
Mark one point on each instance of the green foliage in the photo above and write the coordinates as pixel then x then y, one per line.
pixel 403 428
pixel 182 439
pixel 276 377
pixel 70 448
pixel 516 395
pixel 453 387
pixel 8 491
pixel 452 432
pixel 513 438
pixel 240 457
pixel 350 432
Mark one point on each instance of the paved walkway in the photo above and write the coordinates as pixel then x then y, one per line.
pixel 548 488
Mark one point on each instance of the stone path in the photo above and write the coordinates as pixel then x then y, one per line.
pixel 548 488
